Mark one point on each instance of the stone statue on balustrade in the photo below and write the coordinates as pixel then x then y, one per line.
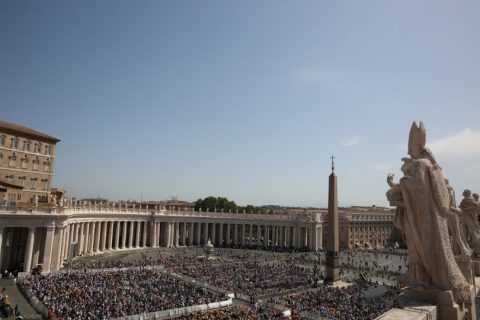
pixel 471 227
pixel 423 206
pixel 458 240
pixel 54 200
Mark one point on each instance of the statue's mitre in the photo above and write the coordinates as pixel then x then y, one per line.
pixel 418 135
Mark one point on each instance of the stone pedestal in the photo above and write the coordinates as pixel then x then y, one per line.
pixel 417 311
pixel 447 309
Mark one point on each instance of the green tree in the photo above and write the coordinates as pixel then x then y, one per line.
pixel 219 203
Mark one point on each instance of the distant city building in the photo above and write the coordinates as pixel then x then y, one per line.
pixel 364 227
pixel 173 204
pixel 27 158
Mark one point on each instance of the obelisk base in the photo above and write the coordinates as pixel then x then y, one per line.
pixel 333 267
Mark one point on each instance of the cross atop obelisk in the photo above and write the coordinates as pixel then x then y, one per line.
pixel 333 265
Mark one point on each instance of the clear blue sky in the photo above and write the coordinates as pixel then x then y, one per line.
pixel 244 99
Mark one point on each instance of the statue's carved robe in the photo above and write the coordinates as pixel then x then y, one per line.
pixel 424 223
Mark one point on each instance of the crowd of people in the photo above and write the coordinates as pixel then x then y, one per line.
pixel 338 303
pixel 248 277
pixel 104 295
pixel 367 263
pixel 79 292
pixel 239 312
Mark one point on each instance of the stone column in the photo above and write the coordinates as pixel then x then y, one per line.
pixel 124 235
pixel 130 236
pixel 214 233
pixel 168 234
pixel 297 237
pixel 66 232
pixel 177 234
pixel 96 245
pixel 190 234
pixel 117 234
pixel 228 237
pixel 86 247
pixel 242 241
pixel 71 236
pixel 110 235
pixel 267 235
pixel 222 237
pixel 183 234
pixel 81 238
pixel 137 238
pixel 47 253
pixel 199 235
pixel 289 236
pixel 77 235
pixel 153 233
pixel 250 236
pixel 27 265
pixel 259 234
pixel 144 234
pixel 59 255
pixel 312 238
pixel 235 234
pixel 274 236
pixel 104 235
pixel 205 234
pixel 305 234
pixel 92 236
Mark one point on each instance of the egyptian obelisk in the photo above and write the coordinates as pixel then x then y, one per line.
pixel 333 270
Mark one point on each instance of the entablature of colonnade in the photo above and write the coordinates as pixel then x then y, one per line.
pixel 90 214
pixel 16 220
pixel 194 216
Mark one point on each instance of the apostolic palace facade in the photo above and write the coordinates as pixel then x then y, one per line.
pixel 39 225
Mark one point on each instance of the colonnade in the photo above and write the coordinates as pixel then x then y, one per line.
pixel 43 239
pixel 245 234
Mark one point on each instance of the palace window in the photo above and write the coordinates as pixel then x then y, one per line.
pixel 35 164
pixel 14 143
pixel 38 147
pixel 2 139
pixel 9 178
pixel 12 160
pixel 24 162
pixel 26 145
pixel 48 150
pixel 46 165
pixel 45 184
pixel 21 181
pixel 33 183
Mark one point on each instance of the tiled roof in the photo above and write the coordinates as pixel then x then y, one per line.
pixel 21 130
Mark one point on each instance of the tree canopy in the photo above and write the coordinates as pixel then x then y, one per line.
pixel 221 204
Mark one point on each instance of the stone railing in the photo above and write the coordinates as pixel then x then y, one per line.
pixel 156 211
